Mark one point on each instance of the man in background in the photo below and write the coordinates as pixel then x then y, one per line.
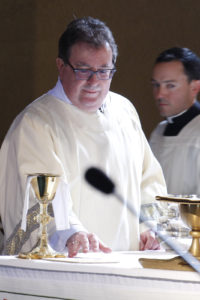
pixel 78 124
pixel 176 140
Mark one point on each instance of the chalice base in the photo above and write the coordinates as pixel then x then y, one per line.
pixel 175 263
pixel 40 253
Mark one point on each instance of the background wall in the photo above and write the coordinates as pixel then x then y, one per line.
pixel 30 30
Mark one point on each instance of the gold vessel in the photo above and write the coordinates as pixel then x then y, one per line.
pixel 190 214
pixel 189 207
pixel 44 186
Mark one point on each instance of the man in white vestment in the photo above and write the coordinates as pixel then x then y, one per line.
pixel 78 124
pixel 176 140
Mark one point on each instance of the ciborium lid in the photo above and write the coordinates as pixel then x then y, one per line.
pixel 181 199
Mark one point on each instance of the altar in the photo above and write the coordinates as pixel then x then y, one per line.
pixel 115 276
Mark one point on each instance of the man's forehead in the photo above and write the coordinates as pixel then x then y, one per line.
pixel 86 54
pixel 89 47
pixel 169 72
pixel 164 80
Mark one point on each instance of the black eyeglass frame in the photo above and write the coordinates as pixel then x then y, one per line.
pixel 76 70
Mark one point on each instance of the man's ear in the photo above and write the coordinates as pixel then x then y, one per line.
pixel 60 64
pixel 195 87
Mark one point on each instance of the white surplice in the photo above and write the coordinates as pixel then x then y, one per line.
pixel 53 136
pixel 179 157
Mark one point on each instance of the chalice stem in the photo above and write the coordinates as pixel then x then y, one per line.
pixel 195 246
pixel 44 221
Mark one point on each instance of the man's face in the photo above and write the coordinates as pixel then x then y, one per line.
pixel 171 89
pixel 87 95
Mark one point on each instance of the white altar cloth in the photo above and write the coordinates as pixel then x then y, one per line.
pixel 114 276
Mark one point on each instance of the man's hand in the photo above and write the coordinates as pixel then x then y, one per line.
pixel 85 241
pixel 148 241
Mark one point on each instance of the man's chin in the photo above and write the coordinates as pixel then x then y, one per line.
pixel 89 107
pixel 163 113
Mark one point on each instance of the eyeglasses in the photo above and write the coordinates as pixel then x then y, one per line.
pixel 86 74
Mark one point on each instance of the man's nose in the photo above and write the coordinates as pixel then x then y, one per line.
pixel 93 77
pixel 160 92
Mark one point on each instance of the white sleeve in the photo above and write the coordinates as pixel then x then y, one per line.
pixel 28 149
pixel 59 238
pixel 152 185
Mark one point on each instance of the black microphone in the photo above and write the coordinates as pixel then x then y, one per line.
pixel 98 179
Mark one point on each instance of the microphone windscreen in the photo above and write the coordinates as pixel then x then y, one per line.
pixel 99 180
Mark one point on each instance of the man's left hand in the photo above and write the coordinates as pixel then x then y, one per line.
pixel 148 241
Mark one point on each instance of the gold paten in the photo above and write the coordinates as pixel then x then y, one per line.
pixel 44 186
pixel 189 207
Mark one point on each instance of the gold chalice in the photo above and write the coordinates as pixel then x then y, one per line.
pixel 189 207
pixel 44 186
pixel 190 214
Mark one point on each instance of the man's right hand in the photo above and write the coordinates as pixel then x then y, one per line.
pixel 85 241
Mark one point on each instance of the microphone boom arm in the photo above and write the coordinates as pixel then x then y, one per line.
pixel 188 257
pixel 99 180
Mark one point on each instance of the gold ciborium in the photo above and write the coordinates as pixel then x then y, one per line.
pixel 189 207
pixel 190 214
pixel 44 186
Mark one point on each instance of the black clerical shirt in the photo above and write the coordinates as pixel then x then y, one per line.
pixel 179 122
